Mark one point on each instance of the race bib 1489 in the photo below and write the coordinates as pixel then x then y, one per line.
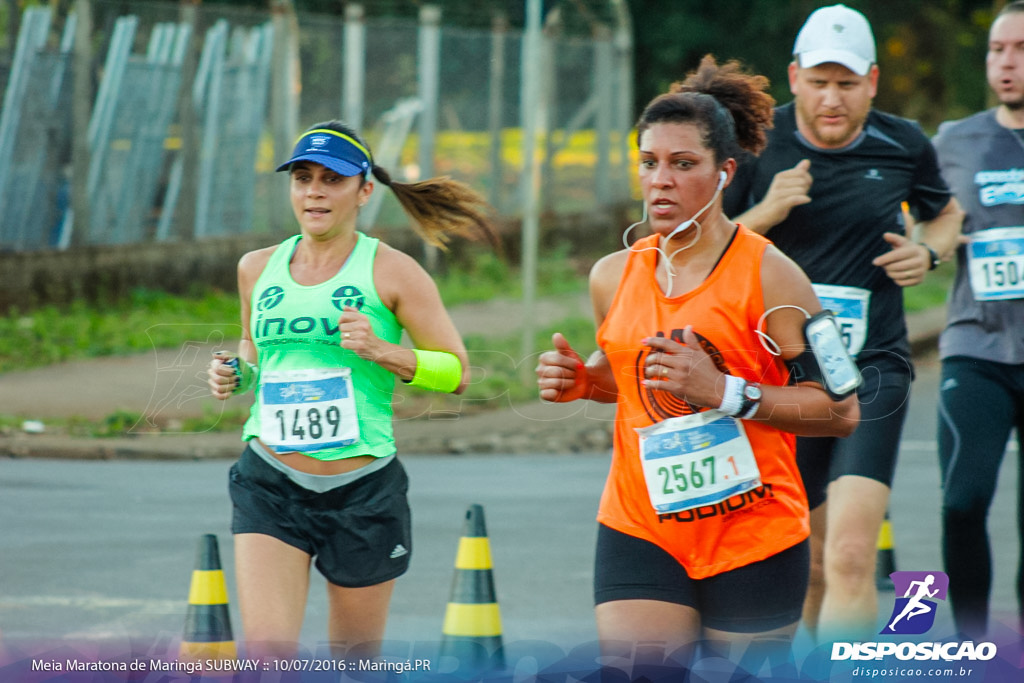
pixel 308 410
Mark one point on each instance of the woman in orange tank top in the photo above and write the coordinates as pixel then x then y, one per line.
pixel 703 521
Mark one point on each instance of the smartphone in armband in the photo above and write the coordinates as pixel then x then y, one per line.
pixel 839 373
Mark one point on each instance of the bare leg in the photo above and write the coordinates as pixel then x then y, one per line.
pixel 751 651
pixel 816 582
pixel 273 582
pixel 660 629
pixel 856 510
pixel 357 618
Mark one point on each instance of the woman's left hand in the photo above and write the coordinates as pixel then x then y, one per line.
pixel 685 370
pixel 357 335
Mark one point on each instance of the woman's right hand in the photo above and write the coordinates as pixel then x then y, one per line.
pixel 561 374
pixel 221 377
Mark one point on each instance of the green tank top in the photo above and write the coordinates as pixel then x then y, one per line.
pixel 295 330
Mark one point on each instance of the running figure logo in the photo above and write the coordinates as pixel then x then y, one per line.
pixel 348 296
pixel 269 298
pixel 914 613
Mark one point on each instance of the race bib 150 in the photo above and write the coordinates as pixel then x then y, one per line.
pixel 995 263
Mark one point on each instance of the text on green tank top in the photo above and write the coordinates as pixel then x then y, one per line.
pixel 295 327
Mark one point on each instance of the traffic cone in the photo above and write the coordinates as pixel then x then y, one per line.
pixel 207 622
pixel 472 621
pixel 886 558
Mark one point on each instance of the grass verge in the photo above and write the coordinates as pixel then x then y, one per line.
pixel 149 320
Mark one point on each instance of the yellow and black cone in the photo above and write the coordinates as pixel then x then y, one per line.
pixel 207 622
pixel 885 563
pixel 472 621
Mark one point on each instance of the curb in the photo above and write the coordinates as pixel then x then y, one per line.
pixel 148 447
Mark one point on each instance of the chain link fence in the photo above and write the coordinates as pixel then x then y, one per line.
pixel 192 107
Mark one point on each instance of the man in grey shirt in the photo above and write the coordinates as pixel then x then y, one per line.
pixel 982 347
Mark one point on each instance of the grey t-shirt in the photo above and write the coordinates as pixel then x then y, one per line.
pixel 983 162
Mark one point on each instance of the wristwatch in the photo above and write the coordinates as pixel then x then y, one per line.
pixel 934 257
pixel 751 400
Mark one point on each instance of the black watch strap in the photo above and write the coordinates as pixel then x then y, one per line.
pixel 751 400
pixel 935 260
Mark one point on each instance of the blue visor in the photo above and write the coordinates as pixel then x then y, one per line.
pixel 337 151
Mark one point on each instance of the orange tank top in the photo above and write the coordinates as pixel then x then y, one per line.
pixel 724 312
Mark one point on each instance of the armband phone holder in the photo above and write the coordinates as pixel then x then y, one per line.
pixel 826 360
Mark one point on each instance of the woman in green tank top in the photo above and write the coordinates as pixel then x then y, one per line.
pixel 322 317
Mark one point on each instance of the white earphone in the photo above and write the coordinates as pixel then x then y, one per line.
pixel 669 270
pixel 685 225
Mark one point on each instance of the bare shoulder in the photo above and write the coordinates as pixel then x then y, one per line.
pixel 256 260
pixel 609 267
pixel 777 266
pixel 398 275
pixel 604 281
pixel 784 282
pixel 250 267
pixel 389 257
pixel 397 265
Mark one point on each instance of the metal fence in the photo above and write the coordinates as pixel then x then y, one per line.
pixel 231 94
pixel 34 138
pixel 131 117
pixel 191 111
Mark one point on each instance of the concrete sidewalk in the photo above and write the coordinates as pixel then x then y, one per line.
pixel 169 386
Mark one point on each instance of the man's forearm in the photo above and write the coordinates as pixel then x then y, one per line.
pixel 942 233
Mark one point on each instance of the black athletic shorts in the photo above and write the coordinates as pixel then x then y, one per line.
pixel 761 596
pixel 359 533
pixel 872 448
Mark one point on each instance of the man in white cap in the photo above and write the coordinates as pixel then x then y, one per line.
pixel 828 190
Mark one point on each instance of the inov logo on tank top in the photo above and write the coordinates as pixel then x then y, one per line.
pixel 268 325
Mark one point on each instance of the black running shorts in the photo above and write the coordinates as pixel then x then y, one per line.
pixel 359 533
pixel 872 448
pixel 758 597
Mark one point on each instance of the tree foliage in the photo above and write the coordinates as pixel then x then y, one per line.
pixel 930 52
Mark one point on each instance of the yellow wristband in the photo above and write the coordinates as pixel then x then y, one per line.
pixel 437 371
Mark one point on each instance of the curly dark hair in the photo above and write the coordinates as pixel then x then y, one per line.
pixel 729 105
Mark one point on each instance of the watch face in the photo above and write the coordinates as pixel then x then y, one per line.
pixel 752 392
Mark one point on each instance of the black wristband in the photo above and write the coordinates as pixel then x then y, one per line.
pixel 934 255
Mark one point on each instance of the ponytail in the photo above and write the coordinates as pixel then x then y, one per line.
pixel 441 207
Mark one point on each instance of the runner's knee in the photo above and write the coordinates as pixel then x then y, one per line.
pixel 850 560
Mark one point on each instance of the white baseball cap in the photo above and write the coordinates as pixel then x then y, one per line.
pixel 836 34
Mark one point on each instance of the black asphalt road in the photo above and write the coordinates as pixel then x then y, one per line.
pixel 96 551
